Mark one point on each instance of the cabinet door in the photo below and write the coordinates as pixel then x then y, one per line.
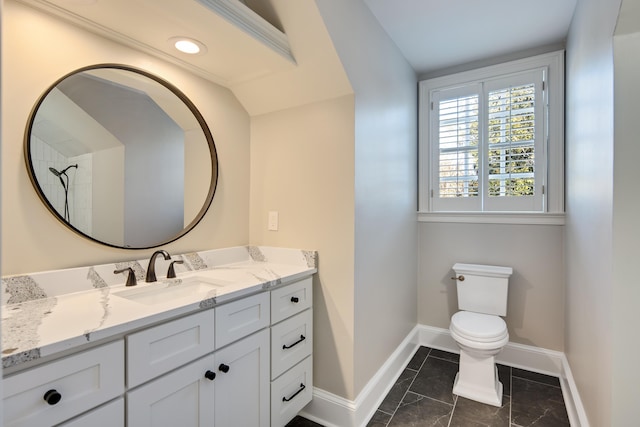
pixel 242 392
pixel 181 398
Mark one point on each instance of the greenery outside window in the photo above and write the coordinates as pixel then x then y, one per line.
pixel 491 139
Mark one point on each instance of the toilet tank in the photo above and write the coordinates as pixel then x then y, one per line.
pixel 483 289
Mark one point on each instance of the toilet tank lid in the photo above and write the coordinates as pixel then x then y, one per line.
pixel 482 270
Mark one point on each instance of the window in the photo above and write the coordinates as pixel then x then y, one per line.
pixel 491 139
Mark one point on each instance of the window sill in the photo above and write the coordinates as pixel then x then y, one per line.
pixel 522 218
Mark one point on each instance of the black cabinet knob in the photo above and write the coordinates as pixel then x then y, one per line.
pixel 210 375
pixel 295 299
pixel 52 397
pixel 223 368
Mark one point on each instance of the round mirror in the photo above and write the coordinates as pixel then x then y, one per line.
pixel 121 157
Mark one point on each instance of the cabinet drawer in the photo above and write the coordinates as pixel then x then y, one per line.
pixel 291 392
pixel 291 299
pixel 241 318
pixel 82 381
pixel 159 349
pixel 109 415
pixel 291 341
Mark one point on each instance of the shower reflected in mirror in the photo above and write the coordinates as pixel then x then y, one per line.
pixel 65 187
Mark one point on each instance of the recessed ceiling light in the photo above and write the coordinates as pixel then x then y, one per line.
pixel 188 45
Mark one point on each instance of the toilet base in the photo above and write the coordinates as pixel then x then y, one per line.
pixel 477 380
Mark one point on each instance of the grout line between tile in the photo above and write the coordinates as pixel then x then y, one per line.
pixel 537 382
pixel 384 412
pixel 446 360
pixel 408 388
pixel 510 393
pixel 437 400
pixel 455 403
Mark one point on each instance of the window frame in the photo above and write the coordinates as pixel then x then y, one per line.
pixel 552 170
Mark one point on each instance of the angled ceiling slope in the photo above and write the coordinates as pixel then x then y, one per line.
pixel 240 44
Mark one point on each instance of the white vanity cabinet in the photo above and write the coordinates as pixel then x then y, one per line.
pixel 59 390
pixel 227 387
pixel 244 363
pixel 291 350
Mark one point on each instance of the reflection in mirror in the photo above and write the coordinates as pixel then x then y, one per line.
pixel 121 157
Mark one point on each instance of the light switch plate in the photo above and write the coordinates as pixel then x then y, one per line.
pixel 273 221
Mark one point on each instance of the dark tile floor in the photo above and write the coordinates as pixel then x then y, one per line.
pixel 422 397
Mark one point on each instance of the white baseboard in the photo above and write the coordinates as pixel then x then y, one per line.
pixel 572 401
pixel 331 410
pixel 527 357
pixel 335 411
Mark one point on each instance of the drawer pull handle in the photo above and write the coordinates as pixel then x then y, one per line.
pixel 302 387
pixel 302 338
pixel 52 397
pixel 295 300
pixel 210 375
pixel 223 368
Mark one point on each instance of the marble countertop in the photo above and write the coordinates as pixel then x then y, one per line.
pixel 43 327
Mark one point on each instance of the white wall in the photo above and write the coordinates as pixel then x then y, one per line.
pixel 589 201
pixel 385 183
pixel 626 229
pixel 42 49
pixel 535 311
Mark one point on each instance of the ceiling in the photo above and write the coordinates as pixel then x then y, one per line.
pixel 240 44
pixel 432 34
pixel 439 34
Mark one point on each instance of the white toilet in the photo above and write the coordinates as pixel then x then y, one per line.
pixel 479 331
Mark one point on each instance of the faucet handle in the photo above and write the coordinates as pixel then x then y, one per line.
pixel 131 278
pixel 171 273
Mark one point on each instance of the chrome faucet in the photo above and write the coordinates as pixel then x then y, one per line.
pixel 151 269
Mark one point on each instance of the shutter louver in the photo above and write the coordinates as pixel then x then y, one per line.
pixel 458 147
pixel 511 137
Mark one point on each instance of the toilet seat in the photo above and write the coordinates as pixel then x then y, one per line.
pixel 479 328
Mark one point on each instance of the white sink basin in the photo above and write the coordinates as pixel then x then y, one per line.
pixel 191 288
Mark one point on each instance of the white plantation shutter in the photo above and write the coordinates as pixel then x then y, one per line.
pixel 487 145
pixel 511 132
pixel 514 143
pixel 456 131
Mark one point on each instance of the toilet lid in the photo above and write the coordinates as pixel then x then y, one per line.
pixel 478 327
